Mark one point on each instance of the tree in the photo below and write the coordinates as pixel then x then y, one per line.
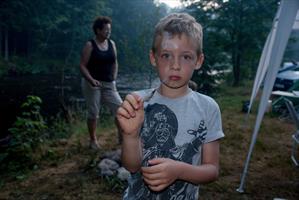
pixel 51 28
pixel 133 26
pixel 236 29
pixel 55 31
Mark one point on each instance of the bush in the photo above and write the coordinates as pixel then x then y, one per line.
pixel 28 133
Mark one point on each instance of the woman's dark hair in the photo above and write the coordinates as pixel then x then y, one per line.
pixel 99 23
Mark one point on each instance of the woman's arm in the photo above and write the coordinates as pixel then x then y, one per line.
pixel 115 66
pixel 85 55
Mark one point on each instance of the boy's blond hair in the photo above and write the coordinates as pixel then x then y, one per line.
pixel 178 24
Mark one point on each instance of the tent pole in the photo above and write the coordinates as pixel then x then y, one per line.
pixel 253 141
pixel 240 189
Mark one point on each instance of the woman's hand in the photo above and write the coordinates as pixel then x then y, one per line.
pixel 95 83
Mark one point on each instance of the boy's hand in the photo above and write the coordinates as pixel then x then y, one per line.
pixel 161 174
pixel 130 115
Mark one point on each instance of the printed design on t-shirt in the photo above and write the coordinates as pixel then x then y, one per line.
pixel 199 134
pixel 158 134
pixel 159 131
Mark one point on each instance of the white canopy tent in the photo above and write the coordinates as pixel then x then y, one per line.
pixel 269 65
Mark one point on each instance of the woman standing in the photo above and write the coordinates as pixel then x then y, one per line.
pixel 99 68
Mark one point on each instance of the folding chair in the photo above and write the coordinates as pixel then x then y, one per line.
pixel 295 117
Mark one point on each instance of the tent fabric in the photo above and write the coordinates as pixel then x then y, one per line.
pixel 262 67
pixel 269 64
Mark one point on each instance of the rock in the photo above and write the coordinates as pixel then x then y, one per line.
pixel 113 155
pixel 122 174
pixel 108 167
pixel 107 172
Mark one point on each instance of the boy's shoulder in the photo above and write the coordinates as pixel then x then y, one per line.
pixel 205 102
pixel 203 97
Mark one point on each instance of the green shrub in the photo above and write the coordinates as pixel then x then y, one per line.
pixel 28 133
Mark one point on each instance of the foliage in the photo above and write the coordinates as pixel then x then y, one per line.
pixel 27 132
pixel 234 31
pixel 3 67
pixel 31 139
pixel 133 26
pixel 114 184
pixel 58 128
pixel 55 30
pixel 206 81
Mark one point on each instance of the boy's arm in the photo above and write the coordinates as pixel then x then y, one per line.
pixel 165 171
pixel 130 116
pixel 208 170
pixel 131 156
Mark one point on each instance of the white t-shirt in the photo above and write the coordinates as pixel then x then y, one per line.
pixel 175 129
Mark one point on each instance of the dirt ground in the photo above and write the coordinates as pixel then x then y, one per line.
pixel 71 172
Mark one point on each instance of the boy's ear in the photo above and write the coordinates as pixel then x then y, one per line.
pixel 152 58
pixel 199 61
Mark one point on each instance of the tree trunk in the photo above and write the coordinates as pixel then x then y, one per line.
pixel 1 41
pixel 238 46
pixel 236 60
pixel 236 69
pixel 5 43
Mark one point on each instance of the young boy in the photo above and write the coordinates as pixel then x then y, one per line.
pixel 170 135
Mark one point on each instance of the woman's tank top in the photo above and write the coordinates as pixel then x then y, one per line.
pixel 100 62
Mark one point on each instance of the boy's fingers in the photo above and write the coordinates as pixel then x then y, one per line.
pixel 128 107
pixel 121 112
pixel 151 170
pixel 156 161
pixel 134 100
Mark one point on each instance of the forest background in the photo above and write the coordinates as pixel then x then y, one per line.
pixel 47 36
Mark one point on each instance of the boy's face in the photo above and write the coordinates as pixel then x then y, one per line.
pixel 175 59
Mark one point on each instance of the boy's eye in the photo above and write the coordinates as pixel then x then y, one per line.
pixel 165 56
pixel 187 57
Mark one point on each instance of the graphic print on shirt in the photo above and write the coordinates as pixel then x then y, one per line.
pixel 158 135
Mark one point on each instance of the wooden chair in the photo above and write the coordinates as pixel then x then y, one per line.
pixel 295 117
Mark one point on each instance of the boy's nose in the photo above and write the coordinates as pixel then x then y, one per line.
pixel 175 65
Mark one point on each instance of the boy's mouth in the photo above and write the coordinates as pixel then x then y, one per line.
pixel 174 78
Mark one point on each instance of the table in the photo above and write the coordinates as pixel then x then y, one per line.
pixel 278 103
pixel 286 94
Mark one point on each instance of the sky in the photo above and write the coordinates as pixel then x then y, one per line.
pixel 171 3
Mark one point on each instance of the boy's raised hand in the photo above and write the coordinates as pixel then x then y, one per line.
pixel 130 115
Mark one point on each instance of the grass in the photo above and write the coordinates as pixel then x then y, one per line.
pixel 69 169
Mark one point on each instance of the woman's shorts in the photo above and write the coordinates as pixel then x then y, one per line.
pixel 97 96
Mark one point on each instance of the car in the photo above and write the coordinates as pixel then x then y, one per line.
pixel 287 77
